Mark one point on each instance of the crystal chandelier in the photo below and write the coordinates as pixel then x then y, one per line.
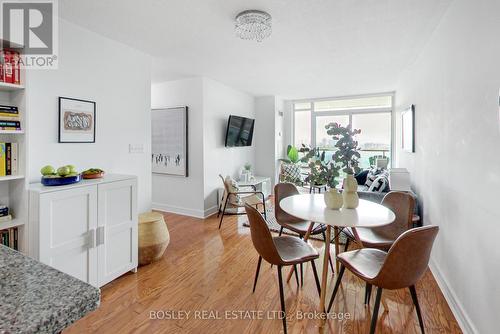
pixel 253 24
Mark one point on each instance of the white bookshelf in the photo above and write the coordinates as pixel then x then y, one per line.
pixel 12 132
pixel 11 177
pixel 4 86
pixel 13 188
pixel 11 223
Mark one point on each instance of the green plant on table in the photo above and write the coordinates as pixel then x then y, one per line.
pixel 321 170
pixel 345 158
pixel 347 153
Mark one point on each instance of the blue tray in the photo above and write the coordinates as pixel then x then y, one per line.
pixel 60 181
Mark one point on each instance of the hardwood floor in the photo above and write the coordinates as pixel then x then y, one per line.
pixel 209 270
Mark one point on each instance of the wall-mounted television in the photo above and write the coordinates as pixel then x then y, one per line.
pixel 239 131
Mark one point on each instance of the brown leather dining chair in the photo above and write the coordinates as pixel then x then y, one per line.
pixel 280 251
pixel 401 267
pixel 402 204
pixel 294 224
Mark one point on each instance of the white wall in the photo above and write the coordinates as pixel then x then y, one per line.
pixel 182 195
pixel 210 104
pixel 265 136
pixel 117 78
pixel 269 136
pixel 454 85
pixel 220 101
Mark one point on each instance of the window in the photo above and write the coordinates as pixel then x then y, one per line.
pixel 323 140
pixel 371 114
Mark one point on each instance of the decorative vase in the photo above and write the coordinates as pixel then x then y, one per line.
pixel 333 199
pixel 153 237
pixel 350 193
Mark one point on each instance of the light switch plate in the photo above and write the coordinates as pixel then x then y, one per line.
pixel 135 148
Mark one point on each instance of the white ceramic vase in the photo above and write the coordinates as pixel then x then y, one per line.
pixel 350 193
pixel 333 199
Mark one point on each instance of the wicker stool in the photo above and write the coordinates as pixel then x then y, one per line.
pixel 153 237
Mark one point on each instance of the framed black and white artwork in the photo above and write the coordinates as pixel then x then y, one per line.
pixel 408 129
pixel 77 120
pixel 169 141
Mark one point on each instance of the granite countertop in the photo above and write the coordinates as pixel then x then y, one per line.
pixel 35 298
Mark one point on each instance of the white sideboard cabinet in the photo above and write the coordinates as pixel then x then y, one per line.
pixel 87 230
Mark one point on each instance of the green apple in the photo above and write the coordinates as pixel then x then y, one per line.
pixel 48 170
pixel 63 171
pixel 72 169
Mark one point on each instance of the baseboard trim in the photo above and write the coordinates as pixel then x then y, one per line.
pixel 179 210
pixel 456 307
pixel 202 214
pixel 211 211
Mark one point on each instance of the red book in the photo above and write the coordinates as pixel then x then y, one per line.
pixel 16 71
pixel 2 72
pixel 8 71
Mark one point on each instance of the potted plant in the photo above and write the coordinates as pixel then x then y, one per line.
pixel 290 169
pixel 347 157
pixel 246 173
pixel 323 171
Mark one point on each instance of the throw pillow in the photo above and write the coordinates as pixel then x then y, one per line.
pixel 379 184
pixel 232 187
pixel 361 176
pixel 291 172
pixel 373 173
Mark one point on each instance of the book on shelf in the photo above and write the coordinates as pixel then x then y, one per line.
pixel 9 118
pixel 10 129
pixel 8 110
pixel 10 69
pixel 9 237
pixel 5 219
pixel 9 159
pixel 9 124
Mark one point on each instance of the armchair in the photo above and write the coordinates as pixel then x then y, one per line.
pixel 233 198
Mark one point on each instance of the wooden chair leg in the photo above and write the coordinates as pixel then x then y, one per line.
pixel 330 258
pixel 301 276
pixel 375 310
pixel 296 275
pixel 282 298
pixel 257 274
pixel 346 247
pixel 222 213
pixel 337 284
pixel 316 279
pixel 368 293
pixel 413 293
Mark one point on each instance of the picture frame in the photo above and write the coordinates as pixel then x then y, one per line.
pixel 408 129
pixel 77 120
pixel 169 141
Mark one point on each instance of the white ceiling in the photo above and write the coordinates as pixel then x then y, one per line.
pixel 318 48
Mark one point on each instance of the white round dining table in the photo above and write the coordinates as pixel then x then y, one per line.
pixel 312 207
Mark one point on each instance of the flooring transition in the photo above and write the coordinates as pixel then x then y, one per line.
pixel 207 274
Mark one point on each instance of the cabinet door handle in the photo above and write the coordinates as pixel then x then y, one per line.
pixel 100 236
pixel 91 238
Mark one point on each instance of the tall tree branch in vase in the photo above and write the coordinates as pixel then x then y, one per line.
pixel 347 157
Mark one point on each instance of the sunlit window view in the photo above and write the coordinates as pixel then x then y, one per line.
pixel 370 114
